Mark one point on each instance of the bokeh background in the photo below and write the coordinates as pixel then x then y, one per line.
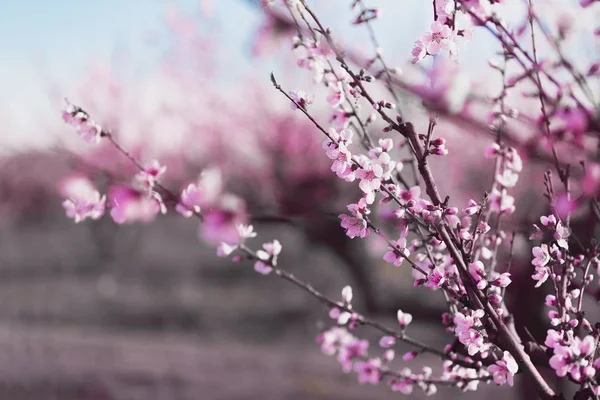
pixel 147 311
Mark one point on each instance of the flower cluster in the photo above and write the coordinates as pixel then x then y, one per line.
pixel 82 199
pixel 87 128
pixel 460 253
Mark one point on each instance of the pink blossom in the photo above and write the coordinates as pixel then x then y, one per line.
pixel 573 358
pixel 502 202
pixel 151 174
pixel 441 37
pixel 82 199
pixel 347 294
pixel 553 338
pixel 438 147
pixel 267 258
pixel 337 96
pixel 130 205
pixel 561 234
pixel 80 208
pixel 205 192
pixel 436 278
pixel 504 370
pixel 403 319
pixel 224 249
pixel 342 162
pixel 244 232
pixel 478 274
pixel 221 219
pixel 351 349
pixel 342 317
pixel 549 221
pixel 338 338
pixel 301 99
pixel 541 255
pixel 412 194
pixel 468 332
pixel 189 201
pixel 398 252
pixel 541 275
pixel 89 130
pixel 355 224
pixel 502 281
pixel 387 165
pixel 368 371
pixel 387 341
pixel 419 51
pixel 473 208
pixel 370 179
pixel 507 178
pixel 339 118
pixel 492 151
pixel 404 386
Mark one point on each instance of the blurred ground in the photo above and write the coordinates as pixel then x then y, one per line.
pixel 94 312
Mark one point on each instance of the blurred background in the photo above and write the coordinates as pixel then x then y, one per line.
pixel 147 311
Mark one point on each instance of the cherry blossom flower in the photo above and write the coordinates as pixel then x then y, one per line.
pixel 267 257
pixel 130 205
pixel 541 275
pixel 441 37
pixel 502 202
pixel 503 280
pixel 370 176
pixel 419 51
pixel 190 200
pixel 368 371
pixel 541 255
pixel 301 99
pixel 404 386
pixel 573 359
pixel 151 174
pixel 353 350
pixel 342 162
pixel 224 249
pixel 548 221
pixel 245 232
pixel 438 147
pixel 340 313
pixel 477 271
pixel 337 338
pixel 355 224
pixel 403 319
pixel 436 278
pixel 83 200
pixel 206 191
pixel 504 370
pixel 398 252
pixel 337 96
pixel 387 341
pixel 412 194
pixel 473 208
pixel 468 332
pixel 507 178
pixel 89 130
